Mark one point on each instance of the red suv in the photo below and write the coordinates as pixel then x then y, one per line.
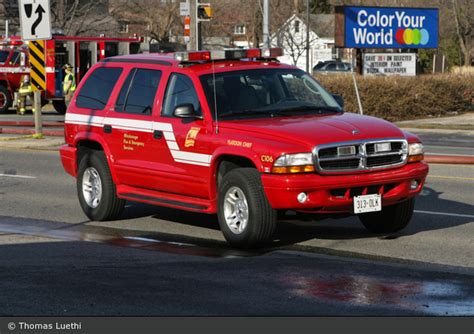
pixel 238 134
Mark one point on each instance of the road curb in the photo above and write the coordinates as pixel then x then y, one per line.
pixel 17 131
pixel 16 138
pixel 449 159
pixel 31 123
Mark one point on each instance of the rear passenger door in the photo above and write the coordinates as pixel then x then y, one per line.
pixel 129 126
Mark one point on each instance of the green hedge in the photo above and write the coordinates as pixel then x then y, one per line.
pixel 404 98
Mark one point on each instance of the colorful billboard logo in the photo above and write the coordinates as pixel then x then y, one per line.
pixel 387 28
pixel 413 37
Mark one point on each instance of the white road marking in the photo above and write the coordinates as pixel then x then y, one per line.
pixel 444 214
pixel 18 176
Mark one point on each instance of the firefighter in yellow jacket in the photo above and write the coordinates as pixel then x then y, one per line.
pixel 69 84
pixel 24 91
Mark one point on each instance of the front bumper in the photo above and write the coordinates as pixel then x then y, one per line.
pixel 334 193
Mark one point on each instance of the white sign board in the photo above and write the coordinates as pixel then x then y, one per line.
pixel 403 64
pixel 35 19
pixel 184 8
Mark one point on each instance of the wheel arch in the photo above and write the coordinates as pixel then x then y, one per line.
pixel 84 144
pixel 224 163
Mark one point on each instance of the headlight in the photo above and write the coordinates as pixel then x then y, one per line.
pixel 294 163
pixel 415 152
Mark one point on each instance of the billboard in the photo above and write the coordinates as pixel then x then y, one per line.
pixel 388 28
pixel 403 64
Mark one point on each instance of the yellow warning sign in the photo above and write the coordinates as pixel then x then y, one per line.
pixel 37 63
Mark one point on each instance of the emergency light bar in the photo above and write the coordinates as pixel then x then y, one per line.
pixel 11 43
pixel 270 53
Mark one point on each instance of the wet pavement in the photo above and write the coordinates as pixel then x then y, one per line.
pixel 50 268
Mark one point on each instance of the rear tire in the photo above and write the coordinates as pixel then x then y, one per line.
pixel 96 189
pixel 245 216
pixel 5 99
pixel 391 219
pixel 60 106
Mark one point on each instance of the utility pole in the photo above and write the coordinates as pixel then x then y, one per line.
pixel 307 36
pixel 266 35
pixel 192 45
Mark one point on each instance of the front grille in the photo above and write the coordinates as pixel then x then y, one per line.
pixel 340 164
pixel 360 155
pixel 383 160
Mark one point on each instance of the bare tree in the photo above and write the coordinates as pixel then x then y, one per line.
pixel 294 42
pixel 464 19
pixel 161 19
pixel 79 17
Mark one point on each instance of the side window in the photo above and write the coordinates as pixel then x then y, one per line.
pixel 138 92
pixel 180 91
pixel 95 92
pixel 331 67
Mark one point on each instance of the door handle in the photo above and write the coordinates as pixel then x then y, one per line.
pixel 108 128
pixel 157 134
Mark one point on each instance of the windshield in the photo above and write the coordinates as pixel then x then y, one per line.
pixel 266 93
pixel 4 56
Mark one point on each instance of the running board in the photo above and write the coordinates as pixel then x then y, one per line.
pixel 163 199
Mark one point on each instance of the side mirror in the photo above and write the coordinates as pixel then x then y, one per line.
pixel 185 111
pixel 22 59
pixel 339 99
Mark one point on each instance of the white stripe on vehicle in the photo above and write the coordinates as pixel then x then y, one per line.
pixel 193 158
pixel 14 70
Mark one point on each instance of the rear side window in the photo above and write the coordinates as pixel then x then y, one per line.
pixel 95 92
pixel 138 92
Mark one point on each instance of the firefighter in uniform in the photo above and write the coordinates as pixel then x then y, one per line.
pixel 69 83
pixel 24 91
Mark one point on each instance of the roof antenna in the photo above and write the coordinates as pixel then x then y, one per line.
pixel 215 95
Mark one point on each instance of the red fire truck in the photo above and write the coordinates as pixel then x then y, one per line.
pixel 81 52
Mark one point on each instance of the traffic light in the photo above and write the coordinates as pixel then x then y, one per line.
pixel 204 11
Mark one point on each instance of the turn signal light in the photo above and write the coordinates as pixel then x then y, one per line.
pixel 293 169
pixel 416 158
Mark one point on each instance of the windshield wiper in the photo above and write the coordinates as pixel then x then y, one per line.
pixel 307 108
pixel 250 112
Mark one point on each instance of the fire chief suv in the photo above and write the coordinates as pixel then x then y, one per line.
pixel 237 134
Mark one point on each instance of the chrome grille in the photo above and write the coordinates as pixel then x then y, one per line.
pixel 365 155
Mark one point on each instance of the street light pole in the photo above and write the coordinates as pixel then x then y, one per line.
pixel 307 36
pixel 266 35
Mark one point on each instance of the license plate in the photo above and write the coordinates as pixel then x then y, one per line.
pixel 367 203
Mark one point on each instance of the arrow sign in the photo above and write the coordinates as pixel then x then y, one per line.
pixel 35 19
pixel 40 12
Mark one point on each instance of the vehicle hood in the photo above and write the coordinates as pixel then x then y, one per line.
pixel 316 130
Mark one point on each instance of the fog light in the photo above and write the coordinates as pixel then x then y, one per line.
pixel 413 184
pixel 302 197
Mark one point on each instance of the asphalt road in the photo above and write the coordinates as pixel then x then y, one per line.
pixel 168 262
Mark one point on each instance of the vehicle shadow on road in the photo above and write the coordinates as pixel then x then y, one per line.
pixel 294 228
pixel 304 227
pixel 135 210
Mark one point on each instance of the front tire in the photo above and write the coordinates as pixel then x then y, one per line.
pixel 60 106
pixel 245 216
pixel 391 219
pixel 96 189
